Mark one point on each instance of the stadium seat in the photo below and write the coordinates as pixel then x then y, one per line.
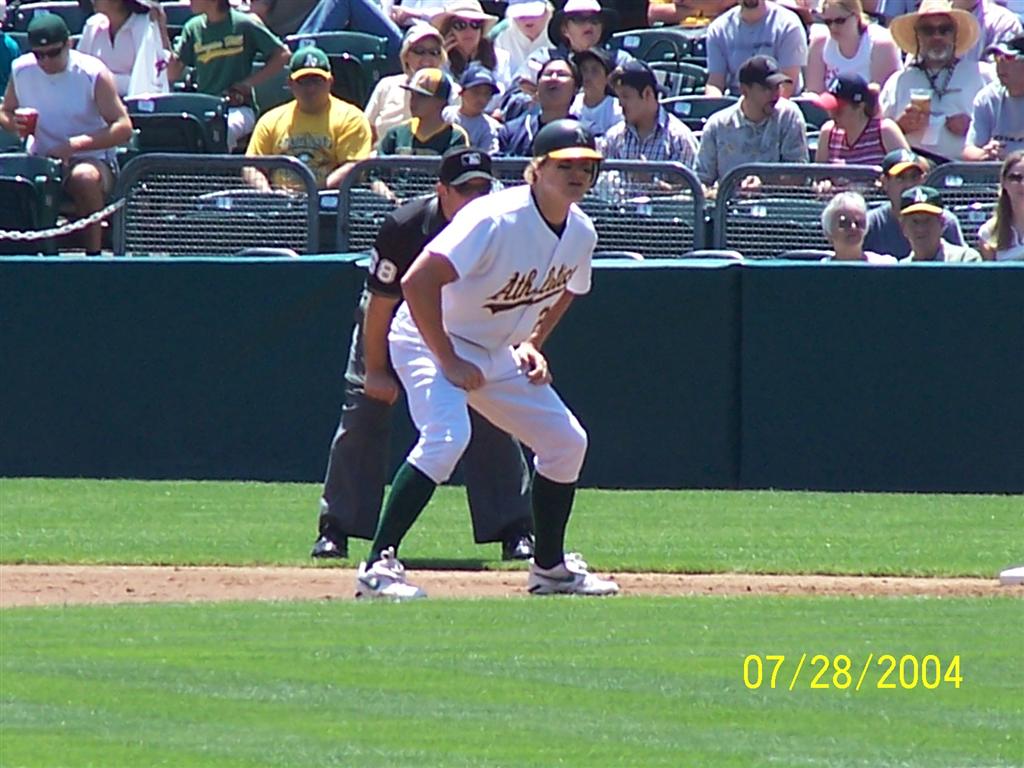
pixel 70 10
pixel 178 12
pixel 30 193
pixel 680 78
pixel 814 115
pixel 273 92
pixel 657 44
pixel 9 142
pixel 21 38
pixel 694 110
pixel 180 122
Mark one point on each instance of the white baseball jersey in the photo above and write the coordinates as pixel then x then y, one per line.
pixel 511 268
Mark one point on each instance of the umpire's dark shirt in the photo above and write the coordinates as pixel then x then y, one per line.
pixel 400 240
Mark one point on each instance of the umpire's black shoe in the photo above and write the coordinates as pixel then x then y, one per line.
pixel 518 547
pixel 327 548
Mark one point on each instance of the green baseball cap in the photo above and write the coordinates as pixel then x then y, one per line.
pixel 47 29
pixel 921 200
pixel 310 60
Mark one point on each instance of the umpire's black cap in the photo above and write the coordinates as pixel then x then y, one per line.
pixel 565 140
pixel 464 164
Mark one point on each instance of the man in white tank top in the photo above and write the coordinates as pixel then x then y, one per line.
pixel 79 117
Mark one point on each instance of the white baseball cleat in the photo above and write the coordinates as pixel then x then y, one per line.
pixel 571 577
pixel 386 579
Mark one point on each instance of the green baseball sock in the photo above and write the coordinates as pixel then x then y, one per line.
pixel 552 504
pixel 410 492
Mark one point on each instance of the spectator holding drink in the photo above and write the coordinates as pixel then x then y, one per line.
pixel 931 99
pixel 997 122
pixel 65 105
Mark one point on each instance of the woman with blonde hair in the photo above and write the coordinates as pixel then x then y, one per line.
pixel 464 27
pixel 855 135
pixel 388 105
pixel 1002 236
pixel 844 42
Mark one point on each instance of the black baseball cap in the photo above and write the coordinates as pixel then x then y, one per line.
pixel 921 200
pixel 637 75
pixel 852 89
pixel 47 29
pixel 1013 47
pixel 565 139
pixel 762 70
pixel 464 164
pixel 477 74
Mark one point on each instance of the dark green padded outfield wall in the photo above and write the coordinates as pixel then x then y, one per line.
pixel 686 374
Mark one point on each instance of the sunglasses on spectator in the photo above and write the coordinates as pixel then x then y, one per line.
pixel 50 53
pixel 426 51
pixel 927 30
pixel 851 222
pixel 461 24
pixel 837 21
pixel 584 18
pixel 1016 178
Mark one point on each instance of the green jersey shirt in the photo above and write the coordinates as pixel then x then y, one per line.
pixel 403 139
pixel 222 53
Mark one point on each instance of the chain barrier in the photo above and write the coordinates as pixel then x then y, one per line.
pixel 18 235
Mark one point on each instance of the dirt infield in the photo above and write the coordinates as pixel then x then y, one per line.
pixel 22 585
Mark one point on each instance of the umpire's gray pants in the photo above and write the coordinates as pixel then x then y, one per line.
pixel 496 473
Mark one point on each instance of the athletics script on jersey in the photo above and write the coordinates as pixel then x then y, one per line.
pixel 519 291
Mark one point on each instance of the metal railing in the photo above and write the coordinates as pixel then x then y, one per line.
pixel 654 209
pixel 970 192
pixel 208 205
pixel 783 212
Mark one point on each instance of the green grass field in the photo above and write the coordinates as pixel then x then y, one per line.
pixel 91 521
pixel 617 682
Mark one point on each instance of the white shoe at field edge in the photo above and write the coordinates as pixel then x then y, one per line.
pixel 385 579
pixel 571 577
pixel 1012 576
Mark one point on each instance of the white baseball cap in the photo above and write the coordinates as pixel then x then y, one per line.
pixel 525 9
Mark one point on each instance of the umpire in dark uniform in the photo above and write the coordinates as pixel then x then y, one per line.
pixel 496 473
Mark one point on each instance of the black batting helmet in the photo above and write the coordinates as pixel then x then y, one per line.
pixel 565 140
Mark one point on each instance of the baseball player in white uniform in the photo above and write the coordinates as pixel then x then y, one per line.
pixel 480 302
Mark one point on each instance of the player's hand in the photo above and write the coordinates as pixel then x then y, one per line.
pixel 381 385
pixel 958 125
pixel 463 374
pixel 533 363
pixel 993 150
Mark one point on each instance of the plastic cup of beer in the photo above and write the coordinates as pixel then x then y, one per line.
pixel 921 99
pixel 29 119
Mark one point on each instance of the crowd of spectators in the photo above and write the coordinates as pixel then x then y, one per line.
pixel 906 84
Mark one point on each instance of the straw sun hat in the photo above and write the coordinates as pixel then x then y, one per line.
pixel 469 10
pixel 967 30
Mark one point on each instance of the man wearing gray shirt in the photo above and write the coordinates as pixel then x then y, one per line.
pixel 755 28
pixel 761 127
pixel 997 122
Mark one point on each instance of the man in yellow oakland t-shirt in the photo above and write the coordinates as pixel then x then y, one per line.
pixel 327 134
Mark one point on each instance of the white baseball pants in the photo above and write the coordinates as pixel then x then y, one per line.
pixel 533 413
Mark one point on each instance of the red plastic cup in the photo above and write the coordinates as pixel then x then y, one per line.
pixel 29 117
